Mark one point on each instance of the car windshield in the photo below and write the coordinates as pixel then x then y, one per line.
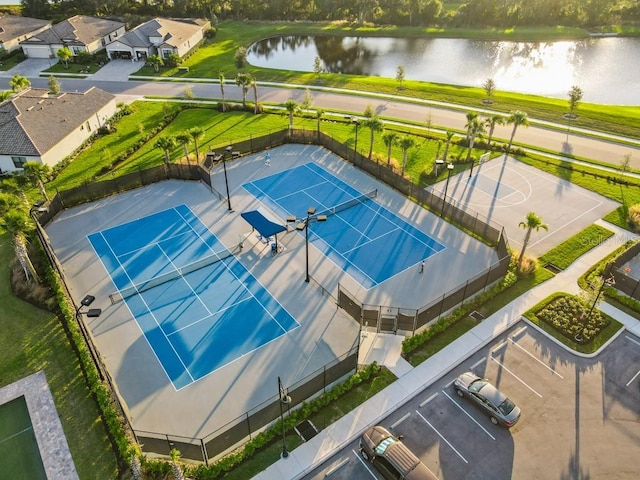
pixel 382 446
pixel 477 385
pixel 506 407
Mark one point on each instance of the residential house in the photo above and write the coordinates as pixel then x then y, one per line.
pixel 36 126
pixel 15 29
pixel 79 33
pixel 160 36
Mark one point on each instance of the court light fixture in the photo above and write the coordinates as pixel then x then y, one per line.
pixel 86 302
pixel 356 122
pixel 284 399
pixel 439 163
pixel 227 151
pixel 450 168
pixel 303 224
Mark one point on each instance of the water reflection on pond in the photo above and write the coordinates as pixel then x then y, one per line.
pixel 607 69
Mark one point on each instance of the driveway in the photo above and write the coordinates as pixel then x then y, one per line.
pixel 31 67
pixel 117 70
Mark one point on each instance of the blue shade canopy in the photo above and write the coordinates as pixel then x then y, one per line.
pixel 264 226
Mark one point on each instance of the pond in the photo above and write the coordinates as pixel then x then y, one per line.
pixel 607 69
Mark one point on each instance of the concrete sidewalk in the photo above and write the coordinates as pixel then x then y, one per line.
pixel 386 350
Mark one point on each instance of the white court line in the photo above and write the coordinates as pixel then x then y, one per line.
pixel 364 464
pixel 516 377
pixel 401 420
pixel 631 339
pixel 440 435
pixel 536 359
pixel 634 377
pixel 478 363
pixel 333 470
pixel 468 415
pixel 428 399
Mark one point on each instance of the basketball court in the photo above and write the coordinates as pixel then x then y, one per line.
pixel 505 190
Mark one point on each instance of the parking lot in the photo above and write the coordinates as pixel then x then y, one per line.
pixel 580 416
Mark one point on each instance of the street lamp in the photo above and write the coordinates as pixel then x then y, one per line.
pixel 284 400
pixel 303 224
pixel 355 147
pixel 227 151
pixel 609 282
pixel 450 168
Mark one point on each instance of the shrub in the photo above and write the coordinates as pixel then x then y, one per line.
pixel 568 315
pixel 634 217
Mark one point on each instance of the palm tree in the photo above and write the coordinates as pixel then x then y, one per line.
pixel 517 118
pixel 9 202
pixel 175 468
pixel 196 133
pixel 491 121
pixel 390 139
pixel 183 139
pixel 5 95
pixel 254 85
pixel 64 54
pixel 471 116
pixel 37 173
pixel 405 143
pixel 221 78
pixel 166 144
pixel 243 80
pixel 533 222
pixel 475 128
pixel 155 61
pixel 17 223
pixel 450 135
pixel 374 124
pixel 489 87
pixel 19 83
pixel 292 107
pixel 319 115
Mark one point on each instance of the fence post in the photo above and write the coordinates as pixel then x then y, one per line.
pixel 205 457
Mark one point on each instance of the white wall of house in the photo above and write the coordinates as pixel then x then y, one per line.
pixel 7 165
pixel 191 43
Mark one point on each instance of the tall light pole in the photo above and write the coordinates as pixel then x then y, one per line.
pixel 303 224
pixel 355 147
pixel 450 168
pixel 284 400
pixel 227 151
pixel 608 282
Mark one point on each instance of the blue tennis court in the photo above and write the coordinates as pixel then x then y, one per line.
pixel 366 240
pixel 197 306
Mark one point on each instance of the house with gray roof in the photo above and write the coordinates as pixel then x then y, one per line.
pixel 79 33
pixel 36 126
pixel 160 36
pixel 15 29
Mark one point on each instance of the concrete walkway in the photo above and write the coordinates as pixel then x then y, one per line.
pixel 386 350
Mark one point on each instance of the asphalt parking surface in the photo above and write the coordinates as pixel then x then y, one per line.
pixel 580 416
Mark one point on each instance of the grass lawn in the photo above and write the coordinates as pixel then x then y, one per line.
pixel 571 249
pixel 33 340
pixel 218 56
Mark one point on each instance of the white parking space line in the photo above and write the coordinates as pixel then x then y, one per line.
pixel 499 347
pixel 428 399
pixel 468 415
pixel 631 340
pixel 364 464
pixel 444 439
pixel 342 463
pixel 401 420
pixel 478 363
pixel 634 377
pixel 517 377
pixel 536 359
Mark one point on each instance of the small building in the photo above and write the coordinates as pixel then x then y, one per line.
pixel 79 33
pixel 15 29
pixel 160 36
pixel 36 126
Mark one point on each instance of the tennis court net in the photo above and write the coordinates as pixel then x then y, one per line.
pixel 365 197
pixel 167 277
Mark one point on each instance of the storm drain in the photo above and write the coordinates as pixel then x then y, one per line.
pixel 552 268
pixel 477 316
pixel 306 430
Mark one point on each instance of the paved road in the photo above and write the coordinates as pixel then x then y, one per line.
pixel 559 141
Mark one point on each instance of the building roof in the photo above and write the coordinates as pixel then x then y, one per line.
pixel 174 32
pixel 32 122
pixel 78 30
pixel 15 26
